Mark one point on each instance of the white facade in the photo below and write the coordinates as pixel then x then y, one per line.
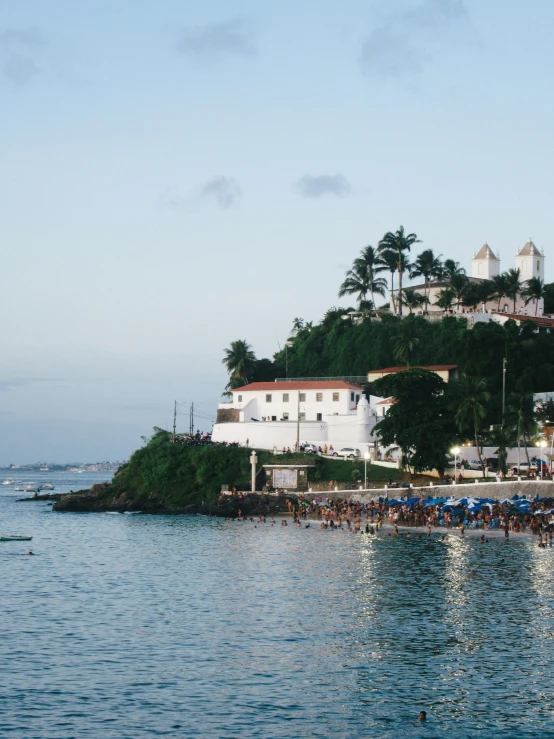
pixel 268 415
pixel 485 264
pixel 530 262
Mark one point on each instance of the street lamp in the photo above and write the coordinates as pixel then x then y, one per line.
pixel 366 457
pixel 253 462
pixel 455 451
pixel 541 444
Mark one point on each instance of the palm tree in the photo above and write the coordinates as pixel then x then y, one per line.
pixel 446 299
pixel 501 438
pixel 426 265
pixel 390 262
pixel 297 325
pixel 501 287
pixel 406 341
pixel 477 292
pixel 484 290
pixel 240 361
pixel 356 283
pixel 534 290
pixel 413 299
pixel 513 277
pixel 522 410
pixel 400 243
pixel 371 261
pixel 458 285
pixel 451 268
pixel 472 409
pixel 470 296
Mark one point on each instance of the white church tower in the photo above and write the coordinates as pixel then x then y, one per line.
pixel 530 262
pixel 485 264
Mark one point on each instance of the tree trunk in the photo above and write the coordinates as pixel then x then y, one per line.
pixel 526 450
pixel 392 291
pixel 536 306
pixel 400 292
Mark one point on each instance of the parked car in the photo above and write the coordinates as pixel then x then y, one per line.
pixel 347 453
pixel 475 464
pixel 526 467
pixel 310 448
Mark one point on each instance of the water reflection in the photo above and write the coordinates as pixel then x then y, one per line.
pixel 146 626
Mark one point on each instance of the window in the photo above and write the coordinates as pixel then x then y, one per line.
pixel 268 398
pixel 302 398
pixel 352 397
pixel 285 397
pixel 240 398
pixel 538 266
pixel 357 399
pixel 319 397
pixel 273 418
pixel 319 417
pixel 335 396
pixel 285 416
pixel 301 416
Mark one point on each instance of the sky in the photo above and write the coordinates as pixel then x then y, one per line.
pixel 177 175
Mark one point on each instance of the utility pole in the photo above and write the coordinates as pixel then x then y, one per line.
pixel 174 420
pixel 191 416
pixel 503 389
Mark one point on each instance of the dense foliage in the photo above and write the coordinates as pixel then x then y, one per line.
pixel 178 475
pixel 419 422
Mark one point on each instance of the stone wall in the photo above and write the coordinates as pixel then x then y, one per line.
pixel 228 415
pixel 495 490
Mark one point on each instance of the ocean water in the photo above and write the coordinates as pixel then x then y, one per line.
pixel 131 626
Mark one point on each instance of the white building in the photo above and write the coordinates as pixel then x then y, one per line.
pixel 485 265
pixel 268 415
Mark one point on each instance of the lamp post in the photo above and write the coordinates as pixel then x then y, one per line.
pixel 253 462
pixel 366 457
pixel 542 443
pixel 455 451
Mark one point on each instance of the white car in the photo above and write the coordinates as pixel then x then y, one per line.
pixel 475 464
pixel 348 453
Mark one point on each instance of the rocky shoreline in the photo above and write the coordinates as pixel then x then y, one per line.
pixel 105 498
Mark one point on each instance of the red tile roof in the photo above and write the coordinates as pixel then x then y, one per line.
pixel 386 401
pixel 432 368
pixel 296 385
pixel 543 321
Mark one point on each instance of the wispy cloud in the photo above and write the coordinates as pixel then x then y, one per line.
pixel 316 187
pixel 225 192
pixel 217 41
pixel 19 51
pixel 403 45
pixel 17 382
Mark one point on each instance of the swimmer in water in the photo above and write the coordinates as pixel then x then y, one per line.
pixel 30 554
pixel 423 716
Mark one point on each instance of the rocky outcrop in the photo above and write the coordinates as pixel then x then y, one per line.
pixel 104 498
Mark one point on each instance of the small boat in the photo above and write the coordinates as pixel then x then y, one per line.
pixel 7 537
pixel 8 481
pixel 46 486
pixel 19 489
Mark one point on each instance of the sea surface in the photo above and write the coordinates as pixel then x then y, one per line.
pixel 131 626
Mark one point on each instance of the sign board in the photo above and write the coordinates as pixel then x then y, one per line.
pixel 285 478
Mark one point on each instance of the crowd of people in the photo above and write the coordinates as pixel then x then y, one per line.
pixel 518 516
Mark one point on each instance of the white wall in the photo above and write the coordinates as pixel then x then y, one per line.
pixel 279 434
pixel 254 403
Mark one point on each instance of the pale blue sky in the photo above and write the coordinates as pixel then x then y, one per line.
pixel 177 175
